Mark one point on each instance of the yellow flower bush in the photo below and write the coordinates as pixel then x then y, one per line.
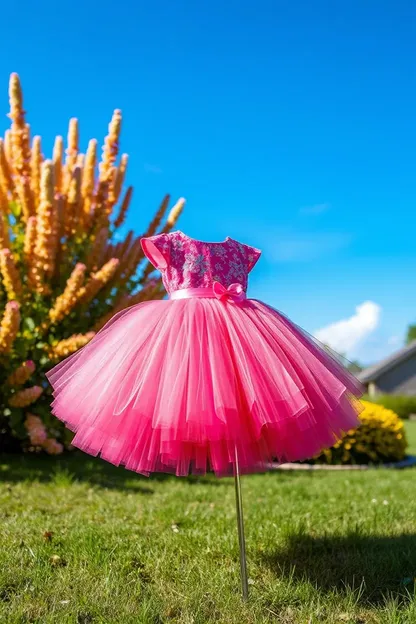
pixel 66 265
pixel 381 437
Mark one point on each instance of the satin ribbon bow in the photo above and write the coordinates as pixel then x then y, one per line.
pixel 234 292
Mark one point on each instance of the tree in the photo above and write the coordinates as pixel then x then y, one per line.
pixel 411 333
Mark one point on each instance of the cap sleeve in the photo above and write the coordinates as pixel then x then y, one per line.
pixel 157 249
pixel 252 255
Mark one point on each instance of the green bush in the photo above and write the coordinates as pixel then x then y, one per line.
pixel 403 405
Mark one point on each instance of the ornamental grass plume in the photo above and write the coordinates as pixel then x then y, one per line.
pixel 9 326
pixel 25 397
pixel 67 262
pixel 22 374
pixel 99 214
pixel 58 153
pixel 10 275
pixel 119 176
pixel 4 226
pixel 73 207
pixel 30 240
pixel 35 167
pixel 20 147
pixel 98 248
pixel 29 253
pixel 98 280
pixel 124 208
pixel 174 215
pixel 8 148
pixel 88 181
pixel 47 227
pixel 71 153
pixel 6 181
pixel 69 298
pixel 69 345
pixel 158 216
pixel 110 148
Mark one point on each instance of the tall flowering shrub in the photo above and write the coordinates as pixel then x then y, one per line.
pixel 65 268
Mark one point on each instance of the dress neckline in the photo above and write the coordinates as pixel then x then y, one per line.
pixel 196 240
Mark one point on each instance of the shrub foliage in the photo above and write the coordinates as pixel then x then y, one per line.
pixel 381 437
pixel 65 266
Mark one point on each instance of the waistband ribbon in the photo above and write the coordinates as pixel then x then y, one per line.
pixel 234 293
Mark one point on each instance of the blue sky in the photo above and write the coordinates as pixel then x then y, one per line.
pixel 288 125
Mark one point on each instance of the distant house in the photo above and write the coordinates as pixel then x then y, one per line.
pixel 394 375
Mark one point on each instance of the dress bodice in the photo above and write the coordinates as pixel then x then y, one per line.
pixel 189 263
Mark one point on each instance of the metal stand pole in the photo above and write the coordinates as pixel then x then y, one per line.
pixel 240 524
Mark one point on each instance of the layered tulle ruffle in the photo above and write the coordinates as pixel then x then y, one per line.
pixel 180 386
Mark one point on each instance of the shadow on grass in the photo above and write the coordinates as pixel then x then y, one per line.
pixel 84 468
pixel 374 567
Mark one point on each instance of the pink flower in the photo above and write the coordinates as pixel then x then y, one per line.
pixel 53 447
pixel 37 436
pixel 36 430
pixel 32 421
pixel 30 365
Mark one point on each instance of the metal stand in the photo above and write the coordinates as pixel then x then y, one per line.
pixel 240 524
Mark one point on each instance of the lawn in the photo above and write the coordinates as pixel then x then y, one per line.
pixel 85 542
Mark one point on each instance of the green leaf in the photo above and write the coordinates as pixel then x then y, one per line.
pixel 29 323
pixel 7 411
pixel 411 334
pixel 20 348
pixel 17 423
pixel 16 209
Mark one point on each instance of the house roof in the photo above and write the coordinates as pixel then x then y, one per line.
pixel 374 372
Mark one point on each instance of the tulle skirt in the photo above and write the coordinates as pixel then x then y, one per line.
pixel 186 386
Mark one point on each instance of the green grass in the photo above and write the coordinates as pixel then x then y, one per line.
pixel 84 542
pixel 411 436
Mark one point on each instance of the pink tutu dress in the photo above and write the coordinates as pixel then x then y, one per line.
pixel 184 384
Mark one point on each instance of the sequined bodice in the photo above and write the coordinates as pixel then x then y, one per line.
pixel 188 263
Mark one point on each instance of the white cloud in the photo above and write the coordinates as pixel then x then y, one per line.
pixel 298 247
pixel 316 209
pixel 346 335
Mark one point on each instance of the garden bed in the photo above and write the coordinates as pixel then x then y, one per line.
pixel 407 462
